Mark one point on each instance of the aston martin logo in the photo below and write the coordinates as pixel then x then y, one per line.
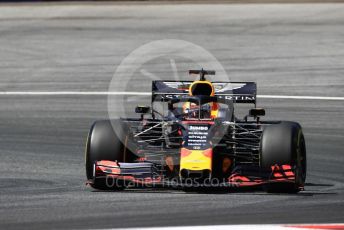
pixel 225 87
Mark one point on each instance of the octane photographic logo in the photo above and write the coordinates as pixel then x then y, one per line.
pixel 168 59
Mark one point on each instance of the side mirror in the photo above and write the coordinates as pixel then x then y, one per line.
pixel 257 112
pixel 142 109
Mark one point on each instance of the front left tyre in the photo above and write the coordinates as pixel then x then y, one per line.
pixel 284 144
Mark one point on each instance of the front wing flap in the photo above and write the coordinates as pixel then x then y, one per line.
pixel 254 176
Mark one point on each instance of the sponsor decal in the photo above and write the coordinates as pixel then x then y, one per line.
pixel 197 136
pixel 247 98
pixel 193 127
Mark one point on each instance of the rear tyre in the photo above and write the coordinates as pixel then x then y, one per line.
pixel 105 144
pixel 284 144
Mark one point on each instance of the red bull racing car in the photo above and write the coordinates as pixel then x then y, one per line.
pixel 190 137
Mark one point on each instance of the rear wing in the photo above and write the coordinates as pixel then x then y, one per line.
pixel 238 92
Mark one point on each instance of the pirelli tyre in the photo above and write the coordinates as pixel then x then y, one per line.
pixel 283 144
pixel 105 144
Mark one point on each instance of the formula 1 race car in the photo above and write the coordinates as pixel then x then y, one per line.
pixel 195 140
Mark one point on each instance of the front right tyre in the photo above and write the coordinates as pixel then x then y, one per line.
pixel 105 144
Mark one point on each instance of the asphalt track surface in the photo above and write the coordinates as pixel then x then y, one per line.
pixel 288 49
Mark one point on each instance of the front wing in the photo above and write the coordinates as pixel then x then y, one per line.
pixel 147 175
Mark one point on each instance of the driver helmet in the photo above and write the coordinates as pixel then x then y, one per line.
pixel 201 88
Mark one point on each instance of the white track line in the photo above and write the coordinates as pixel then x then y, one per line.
pixel 105 93
pixel 250 227
pixel 57 93
pixel 301 97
